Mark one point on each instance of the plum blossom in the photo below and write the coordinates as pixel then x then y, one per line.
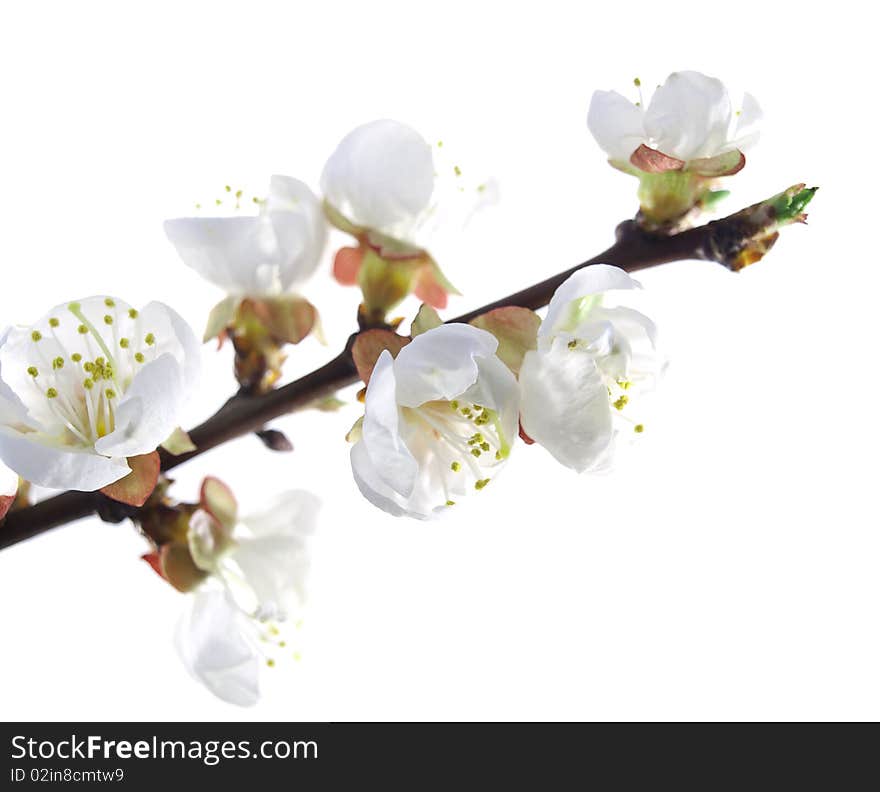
pixel 92 383
pixel 690 123
pixel 8 489
pixel 254 580
pixel 266 254
pixel 383 186
pixel 439 422
pixel 591 364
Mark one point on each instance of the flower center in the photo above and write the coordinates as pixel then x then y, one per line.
pixel 82 363
pixel 462 443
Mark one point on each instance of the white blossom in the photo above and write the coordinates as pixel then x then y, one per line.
pixel 690 118
pixel 92 383
pixel 256 578
pixel 591 364
pixel 266 254
pixel 439 422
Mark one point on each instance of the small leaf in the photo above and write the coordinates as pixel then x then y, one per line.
pixel 723 165
pixel 220 318
pixel 179 442
pixel 516 330
pixel 426 319
pixel 328 404
pixel 217 499
pixel 275 440
pixel 178 568
pixel 137 486
pixel 346 265
pixel 370 344
pixel 288 318
pixel 653 161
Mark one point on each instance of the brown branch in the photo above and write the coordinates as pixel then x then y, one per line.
pixel 723 241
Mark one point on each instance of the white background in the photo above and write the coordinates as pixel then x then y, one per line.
pixel 728 569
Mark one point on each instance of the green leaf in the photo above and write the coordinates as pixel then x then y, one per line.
pixel 426 319
pixel 178 443
pixel 220 318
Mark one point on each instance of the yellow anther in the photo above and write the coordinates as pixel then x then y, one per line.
pixel 484 446
pixel 132 313
pixel 111 394
pixel 149 339
pixel 53 322
pixel 74 306
pixel 453 404
pixel 639 428
pixel 76 357
pixel 270 662
pixel 439 144
pixel 58 363
pixel 52 393
pixel 82 329
pixel 481 483
pixel 108 320
pixel 139 357
pixel 89 366
pixel 457 170
pixel 637 82
pixel 218 202
pixel 32 370
pixel 239 193
pixel 123 342
pixel 499 455
pixel 572 344
pixel 228 188
pixel 450 503
pixel 623 383
pixel 36 335
pixel 88 384
pixel 621 402
pixel 455 467
pixel 476 452
pixel 109 302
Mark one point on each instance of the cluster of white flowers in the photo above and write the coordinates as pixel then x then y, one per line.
pixel 239 615
pixel 442 417
pixel 97 384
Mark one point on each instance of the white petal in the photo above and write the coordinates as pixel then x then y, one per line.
pixel 565 405
pixel 380 176
pixel 689 116
pixel 179 340
pixel 300 229
pixel 441 363
pixel 497 389
pixel 8 481
pixel 292 513
pixel 149 412
pixel 373 488
pixel 563 313
pixel 237 254
pixel 395 464
pixel 616 123
pixel 748 123
pixel 215 651
pixel 58 467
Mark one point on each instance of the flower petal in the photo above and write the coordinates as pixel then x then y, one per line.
pixel 440 363
pixel 149 411
pixel 565 310
pixel 565 405
pixel 381 176
pixel 395 464
pixel 616 124
pixel 689 116
pixel 748 123
pixel 215 651
pixel 58 467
